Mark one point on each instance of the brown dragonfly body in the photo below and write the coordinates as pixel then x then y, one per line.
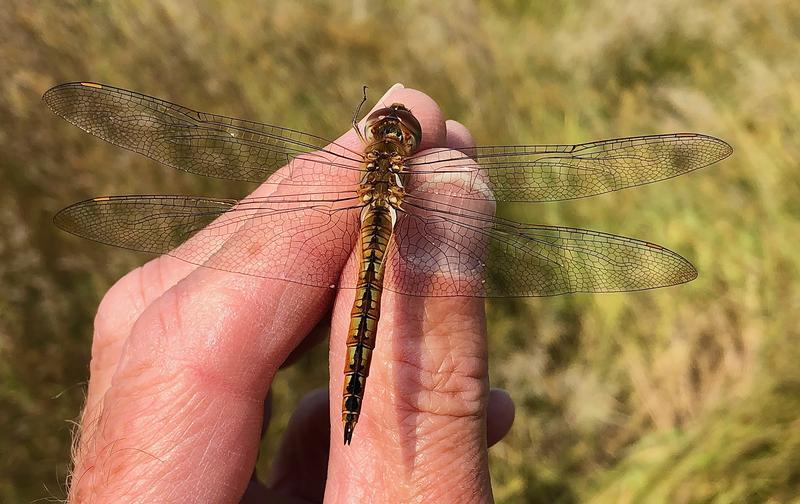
pixel 393 135
pixel 422 222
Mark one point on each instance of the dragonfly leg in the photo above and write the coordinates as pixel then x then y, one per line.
pixel 355 116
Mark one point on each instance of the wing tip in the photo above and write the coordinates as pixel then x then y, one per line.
pixel 685 271
pixel 728 149
pixel 725 149
pixel 62 219
pixel 49 96
pixel 690 272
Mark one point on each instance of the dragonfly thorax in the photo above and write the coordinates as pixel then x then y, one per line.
pixel 392 134
pixel 382 182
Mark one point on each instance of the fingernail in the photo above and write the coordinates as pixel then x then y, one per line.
pixel 391 90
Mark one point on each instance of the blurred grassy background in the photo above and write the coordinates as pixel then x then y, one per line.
pixel 689 394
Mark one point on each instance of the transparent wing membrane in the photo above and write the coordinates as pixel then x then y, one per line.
pixel 438 249
pixel 444 250
pixel 302 239
pixel 196 142
pixel 303 224
pixel 530 173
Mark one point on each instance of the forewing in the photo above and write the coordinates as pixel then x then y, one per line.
pixel 530 173
pixel 193 141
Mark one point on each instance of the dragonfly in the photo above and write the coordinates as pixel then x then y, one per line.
pixel 422 222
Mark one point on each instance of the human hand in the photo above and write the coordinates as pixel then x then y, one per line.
pixel 183 358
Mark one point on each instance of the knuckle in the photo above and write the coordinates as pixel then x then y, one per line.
pixel 452 387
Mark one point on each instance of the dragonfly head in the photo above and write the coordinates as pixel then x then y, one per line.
pixel 395 123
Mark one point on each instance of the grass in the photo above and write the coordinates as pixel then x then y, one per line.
pixel 688 394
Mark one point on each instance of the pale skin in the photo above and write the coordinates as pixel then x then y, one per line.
pixel 183 358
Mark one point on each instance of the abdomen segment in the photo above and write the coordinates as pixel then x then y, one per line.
pixel 376 231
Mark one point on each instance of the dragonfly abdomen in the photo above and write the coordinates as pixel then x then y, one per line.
pixel 376 230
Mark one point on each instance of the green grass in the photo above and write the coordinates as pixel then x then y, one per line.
pixel 688 394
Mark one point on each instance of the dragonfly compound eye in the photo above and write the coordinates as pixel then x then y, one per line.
pixel 394 122
pixel 409 124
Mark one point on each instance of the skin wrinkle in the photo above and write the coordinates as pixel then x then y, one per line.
pixel 193 404
pixel 428 480
pixel 463 378
pixel 206 449
pixel 171 320
pixel 173 439
pixel 145 410
pixel 436 395
pixel 142 415
pixel 438 437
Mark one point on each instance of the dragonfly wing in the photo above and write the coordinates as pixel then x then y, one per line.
pixel 442 249
pixel 304 239
pixel 197 142
pixel 530 173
